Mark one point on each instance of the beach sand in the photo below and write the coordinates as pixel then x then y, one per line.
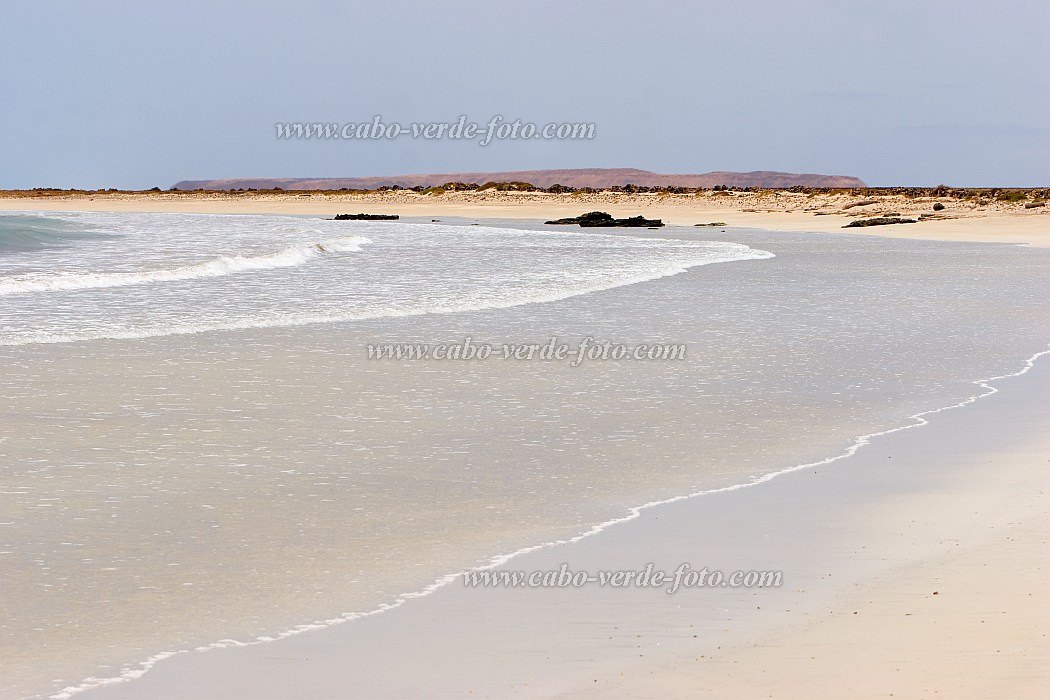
pixel 915 568
pixel 958 607
pixel 959 221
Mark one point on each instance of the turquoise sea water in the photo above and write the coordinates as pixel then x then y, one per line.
pixel 26 233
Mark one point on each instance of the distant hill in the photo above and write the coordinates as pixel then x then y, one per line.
pixel 583 177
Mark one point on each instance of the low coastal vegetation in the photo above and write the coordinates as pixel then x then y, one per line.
pixel 1011 195
pixel 507 187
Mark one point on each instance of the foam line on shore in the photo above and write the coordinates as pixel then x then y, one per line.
pixel 914 421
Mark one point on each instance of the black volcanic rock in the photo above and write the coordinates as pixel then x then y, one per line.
pixel 597 219
pixel 367 217
pixel 879 221
pixel 596 216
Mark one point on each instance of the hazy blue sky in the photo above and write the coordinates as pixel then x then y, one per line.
pixel 136 94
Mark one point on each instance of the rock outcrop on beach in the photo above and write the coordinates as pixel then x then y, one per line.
pixel 879 221
pixel 367 217
pixel 597 178
pixel 595 219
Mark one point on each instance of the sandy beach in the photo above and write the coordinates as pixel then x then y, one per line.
pixel 777 211
pixel 916 568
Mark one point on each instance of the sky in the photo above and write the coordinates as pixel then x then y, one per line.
pixel 135 95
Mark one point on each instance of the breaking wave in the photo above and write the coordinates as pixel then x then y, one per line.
pixel 217 267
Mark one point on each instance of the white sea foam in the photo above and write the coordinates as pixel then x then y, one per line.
pixel 914 421
pixel 217 267
pixel 406 270
pixel 496 297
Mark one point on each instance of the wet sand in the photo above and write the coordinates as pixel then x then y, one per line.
pixel 915 568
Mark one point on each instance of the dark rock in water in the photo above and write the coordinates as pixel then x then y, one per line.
pixel 367 217
pixel 938 206
pixel 713 223
pixel 595 219
pixel 879 221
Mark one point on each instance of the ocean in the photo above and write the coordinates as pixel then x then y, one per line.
pixel 196 450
